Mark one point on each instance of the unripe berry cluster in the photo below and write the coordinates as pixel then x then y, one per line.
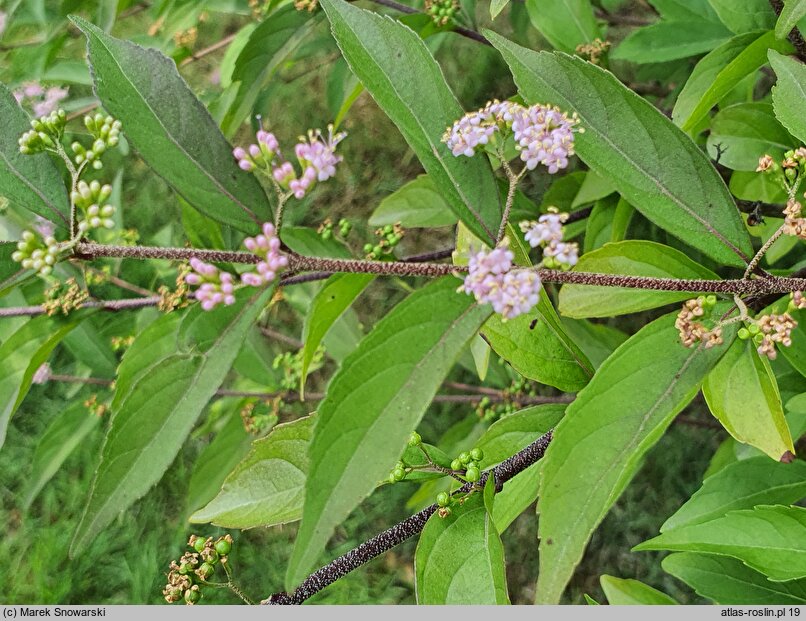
pixel 390 236
pixel 490 411
pixel 467 465
pixel 91 199
pixel 45 133
pixel 106 133
pixel 400 470
pixel 196 567
pixel 35 253
pixel 441 11
pixel 325 229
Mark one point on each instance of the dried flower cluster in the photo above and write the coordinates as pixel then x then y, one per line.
pixel 692 330
pixel 547 232
pixel 774 329
pixel 543 134
pixel 195 568
pixel 492 280
pixel 315 154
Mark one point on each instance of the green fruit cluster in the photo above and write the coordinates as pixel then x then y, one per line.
pixel 195 568
pixel 390 236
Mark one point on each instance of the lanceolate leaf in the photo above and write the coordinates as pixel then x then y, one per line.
pixel 417 204
pixel 789 93
pixel 671 40
pixel 745 16
pixel 654 166
pixel 399 72
pixel 634 257
pixel 626 592
pixel 267 48
pixel 725 580
pixel 719 72
pixel 770 539
pixel 338 293
pixel 565 23
pixel 374 402
pixel 22 354
pixel 31 181
pixel 460 559
pixel 607 430
pixel 742 485
pixel 742 393
pixel 172 130
pixel 792 13
pixel 67 431
pixel 160 405
pixel 268 486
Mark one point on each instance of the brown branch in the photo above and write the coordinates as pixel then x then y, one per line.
pixel 795 38
pixel 110 305
pixel 209 49
pixel 409 527
pixel 403 8
pixel 279 336
pixel 623 19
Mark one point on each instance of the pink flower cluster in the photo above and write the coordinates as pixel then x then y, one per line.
pixel 492 280
pixel 547 232
pixel 543 134
pixel 215 287
pixel 316 156
pixel 266 246
pixel 43 101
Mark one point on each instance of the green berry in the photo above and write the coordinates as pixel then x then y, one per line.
pixel 753 329
pixel 477 454
pixel 367 248
pixel 205 570
pixel 192 596
pixel 415 439
pixel 184 568
pixel 743 334
pixel 710 300
pixel 758 338
pixel 377 251
pixel 443 499
pixel 473 474
pixel 223 547
pixel 391 478
pixel 198 545
pixel 456 465
pixel 399 474
pixel 464 457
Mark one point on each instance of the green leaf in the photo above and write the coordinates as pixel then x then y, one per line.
pixel 789 93
pixel 91 348
pixel 746 15
pixel 460 559
pixel 727 581
pixel 792 13
pixel 268 486
pixel 62 436
pixel 417 204
pixel 565 23
pixel 670 40
pixel 601 441
pixel 770 539
pixel 268 47
pixel 634 258
pixel 31 181
pixel 742 485
pixel 607 222
pixel 664 175
pixel 374 402
pixel 22 354
pixel 172 129
pixel 744 132
pixel 216 461
pixel 750 186
pixel 160 405
pixel 685 9
pixel 742 394
pixel 496 6
pixel 597 340
pixel 305 240
pixel 719 72
pixel 399 72
pixel 335 297
pixel 626 592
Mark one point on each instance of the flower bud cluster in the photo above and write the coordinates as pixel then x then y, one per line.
pixel 390 236
pixel 441 11
pixel 490 411
pixel 693 331
pixel 547 232
pixel 768 331
pixel 797 301
pixel 35 253
pixel 316 156
pixel 91 199
pixel 194 569
pixel 214 286
pixel 492 280
pixel 106 133
pixel 45 132
pixel 267 247
pixel 543 134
